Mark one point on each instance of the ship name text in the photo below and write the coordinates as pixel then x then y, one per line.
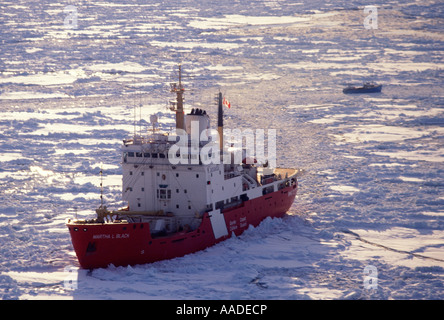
pixel 111 236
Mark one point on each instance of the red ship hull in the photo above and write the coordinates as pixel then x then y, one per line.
pixel 98 245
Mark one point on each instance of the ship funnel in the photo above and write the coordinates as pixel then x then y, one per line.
pixel 201 117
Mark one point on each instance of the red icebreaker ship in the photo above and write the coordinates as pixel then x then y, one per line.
pixel 180 203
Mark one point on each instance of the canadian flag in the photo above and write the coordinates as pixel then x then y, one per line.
pixel 226 103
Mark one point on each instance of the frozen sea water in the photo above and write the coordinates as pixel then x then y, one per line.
pixel 373 192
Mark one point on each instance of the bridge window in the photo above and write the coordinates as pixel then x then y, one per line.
pixel 163 194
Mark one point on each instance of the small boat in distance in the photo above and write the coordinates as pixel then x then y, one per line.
pixel 366 88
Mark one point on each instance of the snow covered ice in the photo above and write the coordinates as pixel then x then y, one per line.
pixel 373 192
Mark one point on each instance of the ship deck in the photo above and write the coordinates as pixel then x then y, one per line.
pixel 287 172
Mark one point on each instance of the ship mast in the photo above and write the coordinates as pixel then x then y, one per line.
pixel 179 90
pixel 220 124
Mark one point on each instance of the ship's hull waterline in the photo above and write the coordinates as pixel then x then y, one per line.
pixel 97 245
